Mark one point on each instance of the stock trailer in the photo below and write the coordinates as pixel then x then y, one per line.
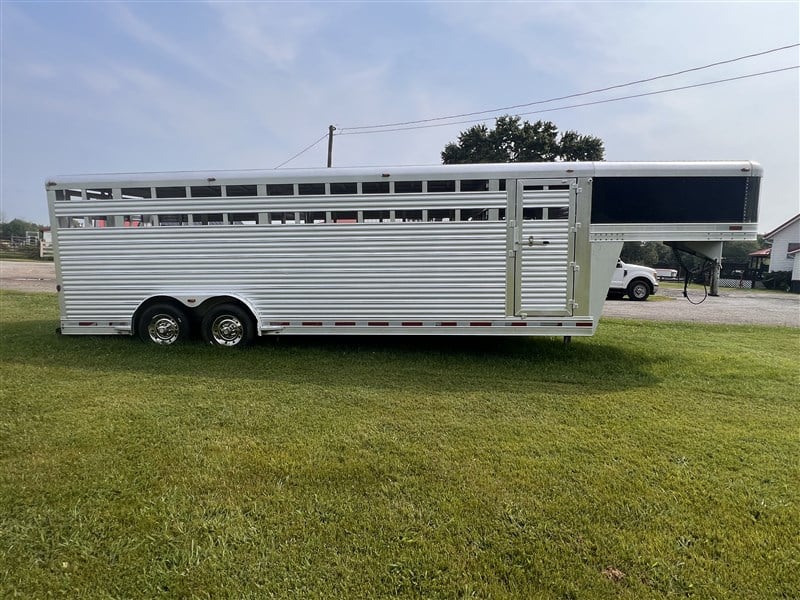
pixel 490 249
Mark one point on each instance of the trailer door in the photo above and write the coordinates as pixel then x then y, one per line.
pixel 543 246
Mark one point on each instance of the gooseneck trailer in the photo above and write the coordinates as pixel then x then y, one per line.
pixel 490 249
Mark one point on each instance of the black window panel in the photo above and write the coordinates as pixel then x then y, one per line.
pixel 173 220
pixel 243 218
pixel 312 217
pixel 241 190
pixel 407 187
pixel 138 192
pixel 280 189
pixel 376 215
pixel 441 214
pixel 104 194
pixel 311 189
pixel 474 214
pixel 344 188
pixel 171 192
pixel 375 187
pixel 532 213
pixel 208 219
pixel 502 185
pixel 474 185
pixel 675 199
pixel 442 185
pixel 408 215
pixel 206 191
pixel 344 216
pixel 281 217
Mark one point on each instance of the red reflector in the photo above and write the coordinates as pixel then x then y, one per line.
pixel 312 324
pixel 86 323
pixel 411 324
pixel 378 324
pixel 345 323
pixel 735 228
pixel 281 323
pixel 480 324
pixel 583 324
pixel 519 324
pixel 448 324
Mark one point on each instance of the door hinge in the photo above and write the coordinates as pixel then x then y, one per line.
pixel 575 266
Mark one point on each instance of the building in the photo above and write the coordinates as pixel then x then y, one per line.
pixel 784 255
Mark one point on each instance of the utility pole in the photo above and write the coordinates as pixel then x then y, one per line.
pixel 331 129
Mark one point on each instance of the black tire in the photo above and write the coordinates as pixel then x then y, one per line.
pixel 638 290
pixel 228 325
pixel 163 325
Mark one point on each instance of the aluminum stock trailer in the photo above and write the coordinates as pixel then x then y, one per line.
pixel 491 249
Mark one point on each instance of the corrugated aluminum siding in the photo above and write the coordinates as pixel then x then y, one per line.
pixel 323 271
pixel 545 269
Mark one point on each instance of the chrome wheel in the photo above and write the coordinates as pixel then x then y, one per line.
pixel 227 330
pixel 164 329
pixel 228 325
pixel 162 324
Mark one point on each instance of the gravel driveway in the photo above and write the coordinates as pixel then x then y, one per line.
pixel 731 306
pixel 27 276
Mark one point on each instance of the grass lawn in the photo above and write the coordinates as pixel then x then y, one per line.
pixel 652 460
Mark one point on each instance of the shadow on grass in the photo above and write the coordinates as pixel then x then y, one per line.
pixel 423 363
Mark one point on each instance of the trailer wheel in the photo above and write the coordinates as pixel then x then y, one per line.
pixel 163 324
pixel 638 289
pixel 228 325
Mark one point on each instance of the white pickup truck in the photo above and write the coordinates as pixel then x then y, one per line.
pixel 634 280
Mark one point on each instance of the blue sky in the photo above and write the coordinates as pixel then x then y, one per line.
pixel 96 87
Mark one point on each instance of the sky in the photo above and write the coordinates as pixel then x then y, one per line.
pixel 101 87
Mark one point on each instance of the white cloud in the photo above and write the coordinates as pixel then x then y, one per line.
pixel 270 32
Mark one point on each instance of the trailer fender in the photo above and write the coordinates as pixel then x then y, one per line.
pixel 201 303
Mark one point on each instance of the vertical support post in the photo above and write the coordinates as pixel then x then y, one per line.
pixel 331 129
pixel 715 278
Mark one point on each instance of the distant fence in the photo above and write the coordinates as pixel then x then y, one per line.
pixel 745 284
pixel 26 246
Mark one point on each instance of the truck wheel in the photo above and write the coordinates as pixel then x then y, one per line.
pixel 163 324
pixel 228 325
pixel 638 289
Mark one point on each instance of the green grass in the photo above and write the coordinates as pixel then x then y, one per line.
pixel 652 460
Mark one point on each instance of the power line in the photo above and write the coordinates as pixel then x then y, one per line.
pixel 303 151
pixel 545 110
pixel 576 95
pixel 434 122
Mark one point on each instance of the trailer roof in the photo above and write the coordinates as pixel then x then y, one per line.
pixel 398 173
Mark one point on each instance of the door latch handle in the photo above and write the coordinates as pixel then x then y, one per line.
pixel 533 242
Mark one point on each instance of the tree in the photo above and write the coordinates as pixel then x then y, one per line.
pixel 17 227
pixel 513 140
